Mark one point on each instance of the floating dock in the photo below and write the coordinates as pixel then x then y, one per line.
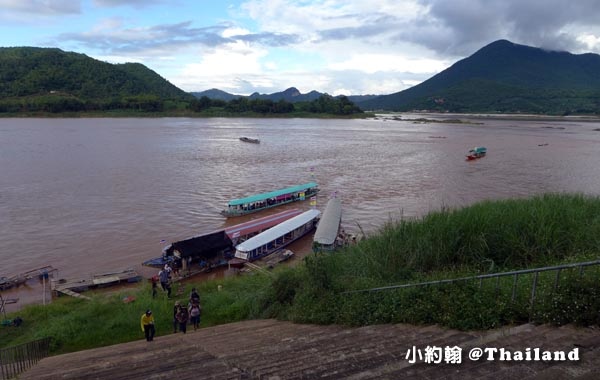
pixel 74 287
pixel 23 277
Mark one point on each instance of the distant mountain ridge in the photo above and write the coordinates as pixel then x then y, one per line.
pixel 291 95
pixel 505 77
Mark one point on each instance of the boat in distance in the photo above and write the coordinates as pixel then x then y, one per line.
pixel 275 238
pixel 249 140
pixel 263 201
pixel 477 152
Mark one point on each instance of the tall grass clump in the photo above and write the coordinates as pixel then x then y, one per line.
pixel 487 237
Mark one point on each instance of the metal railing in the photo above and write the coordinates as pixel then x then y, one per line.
pixel 18 359
pixel 515 274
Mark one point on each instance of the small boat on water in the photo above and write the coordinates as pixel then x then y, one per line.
pixel 275 238
pixel 278 257
pixel 477 152
pixel 249 140
pixel 254 203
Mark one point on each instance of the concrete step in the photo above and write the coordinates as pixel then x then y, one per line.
pixel 269 349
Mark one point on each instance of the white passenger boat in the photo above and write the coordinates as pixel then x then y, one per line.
pixel 275 238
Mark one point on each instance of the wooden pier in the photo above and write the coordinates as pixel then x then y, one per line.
pixel 23 277
pixel 74 287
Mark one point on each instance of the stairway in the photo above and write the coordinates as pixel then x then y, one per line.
pixel 269 349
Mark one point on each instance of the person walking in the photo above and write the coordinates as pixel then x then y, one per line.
pixel 165 279
pixel 176 308
pixel 147 323
pixel 154 280
pixel 194 296
pixel 182 318
pixel 195 310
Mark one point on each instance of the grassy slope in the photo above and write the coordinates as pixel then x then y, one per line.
pixel 487 237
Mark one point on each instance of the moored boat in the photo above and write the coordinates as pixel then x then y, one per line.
pixel 275 238
pixel 328 230
pixel 215 248
pixel 477 152
pixel 254 203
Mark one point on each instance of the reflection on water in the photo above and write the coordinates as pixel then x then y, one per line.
pixel 98 195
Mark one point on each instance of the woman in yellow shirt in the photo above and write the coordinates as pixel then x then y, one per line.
pixel 147 323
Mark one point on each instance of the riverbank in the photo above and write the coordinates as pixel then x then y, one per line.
pixel 180 113
pixel 488 237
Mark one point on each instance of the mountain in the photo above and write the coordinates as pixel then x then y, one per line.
pixel 31 72
pixel 291 95
pixel 506 77
pixel 217 94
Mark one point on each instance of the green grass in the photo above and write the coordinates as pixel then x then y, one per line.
pixel 488 237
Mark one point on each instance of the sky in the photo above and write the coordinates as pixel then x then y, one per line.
pixel 345 47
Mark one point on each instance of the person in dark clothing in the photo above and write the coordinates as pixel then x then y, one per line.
pixel 176 308
pixel 154 280
pixel 182 318
pixel 194 297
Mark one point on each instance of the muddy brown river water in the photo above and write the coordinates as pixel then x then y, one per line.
pixel 97 195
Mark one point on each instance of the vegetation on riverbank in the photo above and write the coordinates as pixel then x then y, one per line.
pixel 488 237
pixel 58 105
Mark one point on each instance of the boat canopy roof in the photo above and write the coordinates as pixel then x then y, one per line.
pixel 277 231
pixel 206 246
pixel 271 194
pixel 479 149
pixel 328 227
pixel 260 223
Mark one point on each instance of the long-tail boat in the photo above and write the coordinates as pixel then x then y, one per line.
pixel 254 203
pixel 477 152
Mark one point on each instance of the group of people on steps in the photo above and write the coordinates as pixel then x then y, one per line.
pixel 182 314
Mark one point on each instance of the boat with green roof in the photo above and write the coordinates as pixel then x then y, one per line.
pixel 263 201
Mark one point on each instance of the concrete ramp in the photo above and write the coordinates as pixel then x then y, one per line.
pixel 269 349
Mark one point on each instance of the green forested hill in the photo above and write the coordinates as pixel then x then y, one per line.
pixel 506 77
pixel 36 81
pixel 49 78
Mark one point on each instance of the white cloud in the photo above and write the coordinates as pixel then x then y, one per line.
pixel 591 41
pixel 372 63
pixel 222 65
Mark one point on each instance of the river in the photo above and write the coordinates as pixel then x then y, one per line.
pixel 97 195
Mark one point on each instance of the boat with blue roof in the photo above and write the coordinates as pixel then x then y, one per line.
pixel 263 201
pixel 477 152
